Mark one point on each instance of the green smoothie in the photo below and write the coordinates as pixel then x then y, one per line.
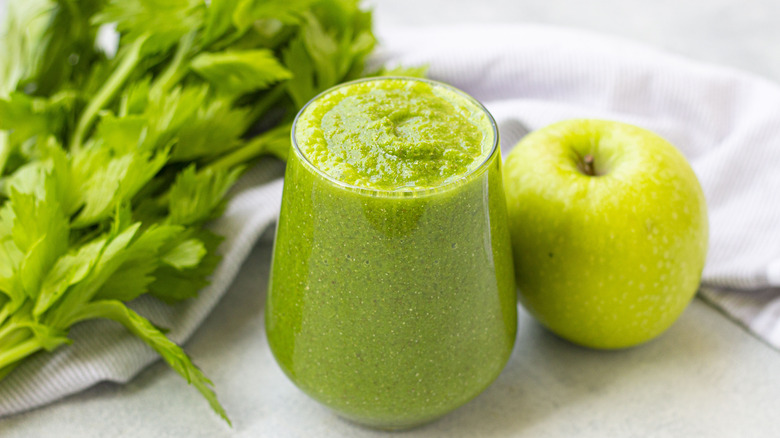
pixel 392 297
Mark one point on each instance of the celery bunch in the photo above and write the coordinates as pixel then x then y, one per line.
pixel 110 164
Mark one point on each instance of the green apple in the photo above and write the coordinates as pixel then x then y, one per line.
pixel 609 231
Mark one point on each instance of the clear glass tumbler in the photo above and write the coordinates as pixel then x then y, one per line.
pixel 392 308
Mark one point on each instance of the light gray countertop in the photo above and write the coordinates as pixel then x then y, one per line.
pixel 705 377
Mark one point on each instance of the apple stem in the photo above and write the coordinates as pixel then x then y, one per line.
pixel 587 165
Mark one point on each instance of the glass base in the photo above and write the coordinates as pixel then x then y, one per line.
pixel 390 426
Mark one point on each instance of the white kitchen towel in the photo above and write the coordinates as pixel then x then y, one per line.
pixel 105 351
pixel 726 122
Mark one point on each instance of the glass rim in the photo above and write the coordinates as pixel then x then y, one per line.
pixel 401 192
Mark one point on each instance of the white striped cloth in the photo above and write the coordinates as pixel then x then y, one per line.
pixel 105 351
pixel 726 122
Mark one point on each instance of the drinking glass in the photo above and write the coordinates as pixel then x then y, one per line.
pixel 392 307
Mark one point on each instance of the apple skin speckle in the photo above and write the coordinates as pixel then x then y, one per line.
pixel 630 243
